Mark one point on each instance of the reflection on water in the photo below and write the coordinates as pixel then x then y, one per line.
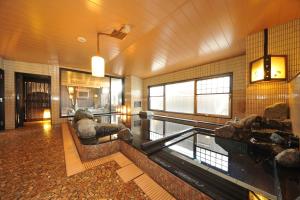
pixel 159 129
pixel 212 158
pixel 203 149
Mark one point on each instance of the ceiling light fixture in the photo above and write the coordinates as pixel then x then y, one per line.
pixel 98 62
pixel 268 67
pixel 81 39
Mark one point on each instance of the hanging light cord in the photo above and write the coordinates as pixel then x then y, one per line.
pixel 98 46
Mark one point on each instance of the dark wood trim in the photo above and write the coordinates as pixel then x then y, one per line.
pixel 85 72
pixel 2 108
pixel 37 78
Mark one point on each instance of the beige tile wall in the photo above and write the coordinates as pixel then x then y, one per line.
pixel 294 100
pixel 10 67
pixel 133 92
pixel 235 65
pixel 283 40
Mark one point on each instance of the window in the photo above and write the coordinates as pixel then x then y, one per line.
pixel 180 97
pixel 213 96
pixel 156 98
pixel 80 90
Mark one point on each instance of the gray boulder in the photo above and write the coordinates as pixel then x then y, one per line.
pixel 145 114
pixel 86 128
pixel 226 131
pixel 246 122
pixel 82 114
pixel 278 111
pixel 125 134
pixel 277 138
pixel 104 129
pixel 289 158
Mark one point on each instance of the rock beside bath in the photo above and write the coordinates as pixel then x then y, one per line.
pixel 86 128
pixel 276 138
pixel 278 111
pixel 289 158
pixel 125 134
pixel 82 114
pixel 246 122
pixel 145 114
pixel 104 129
pixel 226 131
pixel 287 124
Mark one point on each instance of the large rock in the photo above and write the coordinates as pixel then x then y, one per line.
pixel 104 129
pixel 146 114
pixel 82 114
pixel 287 124
pixel 86 128
pixel 125 134
pixel 289 158
pixel 226 131
pixel 276 138
pixel 278 111
pixel 246 122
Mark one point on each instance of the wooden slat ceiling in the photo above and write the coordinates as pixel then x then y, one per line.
pixel 166 36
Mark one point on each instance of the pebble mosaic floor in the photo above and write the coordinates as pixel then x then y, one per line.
pixel 32 166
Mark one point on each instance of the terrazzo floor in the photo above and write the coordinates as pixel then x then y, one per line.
pixel 32 166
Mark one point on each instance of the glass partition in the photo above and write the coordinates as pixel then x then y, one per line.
pixel 116 93
pixel 80 90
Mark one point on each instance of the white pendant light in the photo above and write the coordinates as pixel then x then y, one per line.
pixel 98 66
pixel 98 63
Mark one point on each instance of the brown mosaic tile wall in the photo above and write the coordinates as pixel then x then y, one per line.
pixel 283 40
pixel 174 185
pixel 235 65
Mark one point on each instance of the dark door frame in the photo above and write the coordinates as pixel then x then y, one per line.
pixel 27 76
pixel 2 100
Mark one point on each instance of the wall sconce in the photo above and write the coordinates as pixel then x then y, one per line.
pixel 269 67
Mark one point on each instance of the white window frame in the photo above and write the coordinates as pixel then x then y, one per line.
pixel 230 96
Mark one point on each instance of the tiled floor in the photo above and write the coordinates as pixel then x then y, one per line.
pixel 128 171
pixel 32 166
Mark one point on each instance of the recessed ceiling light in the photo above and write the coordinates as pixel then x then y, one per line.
pixel 81 39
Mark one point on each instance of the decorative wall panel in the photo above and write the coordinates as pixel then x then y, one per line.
pixel 283 40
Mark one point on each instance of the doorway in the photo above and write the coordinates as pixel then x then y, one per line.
pixel 33 98
pixel 2 108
